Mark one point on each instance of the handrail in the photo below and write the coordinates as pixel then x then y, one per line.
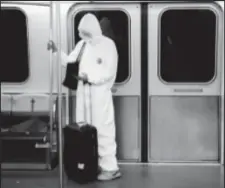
pixel 51 82
pixel 222 102
pixel 59 89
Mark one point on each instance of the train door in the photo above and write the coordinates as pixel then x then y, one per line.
pixel 185 59
pixel 121 22
pixel 124 20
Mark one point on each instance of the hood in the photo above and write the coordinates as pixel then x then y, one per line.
pixel 90 23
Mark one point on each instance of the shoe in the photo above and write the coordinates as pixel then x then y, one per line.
pixel 109 175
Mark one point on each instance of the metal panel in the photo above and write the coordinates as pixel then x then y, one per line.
pixel 25 103
pixel 184 129
pixel 6 103
pixel 127 127
pixel 156 86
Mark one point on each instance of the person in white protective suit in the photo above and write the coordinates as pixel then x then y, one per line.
pixel 98 66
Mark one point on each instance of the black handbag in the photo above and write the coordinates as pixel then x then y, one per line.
pixel 72 70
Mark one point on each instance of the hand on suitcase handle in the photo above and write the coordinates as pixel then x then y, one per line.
pixel 84 81
pixel 84 78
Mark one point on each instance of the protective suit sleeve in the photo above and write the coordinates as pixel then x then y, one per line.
pixel 108 69
pixel 72 57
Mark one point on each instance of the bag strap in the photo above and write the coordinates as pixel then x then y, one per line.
pixel 81 51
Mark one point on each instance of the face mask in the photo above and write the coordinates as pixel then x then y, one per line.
pixel 85 36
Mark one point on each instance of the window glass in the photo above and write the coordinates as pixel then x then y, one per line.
pixel 188 40
pixel 14 50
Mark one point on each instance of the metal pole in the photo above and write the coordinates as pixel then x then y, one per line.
pixel 51 83
pixel 222 124
pixel 222 105
pixel 221 60
pixel 59 84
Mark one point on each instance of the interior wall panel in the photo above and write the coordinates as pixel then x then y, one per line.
pixel 184 128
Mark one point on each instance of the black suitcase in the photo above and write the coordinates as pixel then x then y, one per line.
pixel 81 152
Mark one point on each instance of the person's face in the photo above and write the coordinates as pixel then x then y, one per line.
pixel 85 35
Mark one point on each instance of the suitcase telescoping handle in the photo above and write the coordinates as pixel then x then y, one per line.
pixel 87 98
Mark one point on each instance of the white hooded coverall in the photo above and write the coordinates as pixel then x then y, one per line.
pixel 99 62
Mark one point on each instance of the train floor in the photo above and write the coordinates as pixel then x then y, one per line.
pixel 134 176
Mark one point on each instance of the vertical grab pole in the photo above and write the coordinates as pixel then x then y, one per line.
pixel 222 121
pixel 51 81
pixel 222 104
pixel 59 91
pixel 222 89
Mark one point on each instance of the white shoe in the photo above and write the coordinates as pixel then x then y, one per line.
pixel 109 175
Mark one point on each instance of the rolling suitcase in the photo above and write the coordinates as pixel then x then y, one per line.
pixel 81 150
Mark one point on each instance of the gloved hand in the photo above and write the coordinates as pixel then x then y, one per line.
pixel 52 46
pixel 84 77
